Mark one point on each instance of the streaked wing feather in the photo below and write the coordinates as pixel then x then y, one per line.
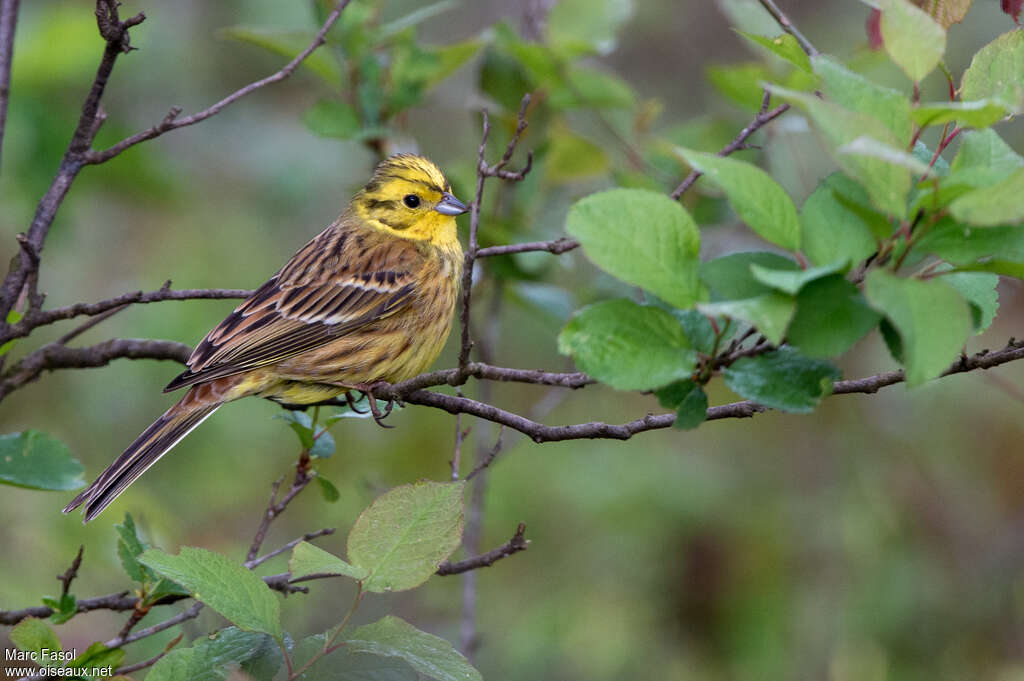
pixel 306 306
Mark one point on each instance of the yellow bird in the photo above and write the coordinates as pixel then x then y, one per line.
pixel 369 299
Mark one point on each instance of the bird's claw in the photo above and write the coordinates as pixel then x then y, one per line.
pixel 378 416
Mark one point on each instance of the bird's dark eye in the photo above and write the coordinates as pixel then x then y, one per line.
pixel 411 200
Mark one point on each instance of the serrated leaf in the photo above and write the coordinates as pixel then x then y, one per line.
pixel 783 379
pixel 791 281
pixel 979 290
pixel 886 184
pixel 288 44
pixel 642 237
pixel 224 586
pixel 211 658
pixel 999 204
pixel 308 559
pixel 628 346
pixel 997 72
pixel 784 46
pixel 833 228
pixel 980 113
pixel 831 315
pixel 853 91
pixel 427 654
pixel 401 538
pixel 769 312
pixel 64 608
pixel 33 635
pixel 689 401
pixel 38 461
pixel 758 199
pixel 932 319
pixel 913 40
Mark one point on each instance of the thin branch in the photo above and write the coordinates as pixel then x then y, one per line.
pixel 763 118
pixel 275 508
pixel 514 545
pixel 189 614
pixel 45 317
pixel 8 22
pixel 116 602
pixel 290 545
pixel 56 356
pixel 128 669
pixel 789 27
pixel 69 575
pixel 487 458
pixel 171 120
pixel 555 246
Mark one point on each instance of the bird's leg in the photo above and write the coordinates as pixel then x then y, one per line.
pixel 352 403
pixel 368 390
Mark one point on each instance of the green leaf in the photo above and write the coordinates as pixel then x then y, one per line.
pixel 628 346
pixel 697 328
pixel 309 560
pixel 301 423
pixel 96 656
pixel 886 184
pixel 401 538
pixel 345 665
pixel 323 447
pixel 855 92
pixel 979 113
pixel 912 38
pixel 784 46
pixel 688 399
pixel 332 118
pixel 413 18
pixel 932 319
pixel 427 654
pixel 230 589
pixel 641 237
pixel 831 315
pixel 129 547
pixel 289 44
pixel 37 461
pixel 947 12
pixel 979 290
pixel 64 608
pixel 997 72
pixel 868 146
pixel 834 228
pixel 589 88
pixel 758 199
pixel 999 204
pixel 451 57
pixel 211 658
pixel 962 245
pixel 13 317
pixel 329 492
pixel 985 150
pixel 729 277
pixel 791 281
pixel 740 83
pixel 34 635
pixel 265 661
pixel 584 25
pixel 769 312
pixel 571 157
pixel 783 380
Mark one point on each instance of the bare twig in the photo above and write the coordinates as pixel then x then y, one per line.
pixel 275 508
pixel 171 120
pixel 8 21
pixel 128 669
pixel 45 317
pixel 56 356
pixel 290 545
pixel 763 118
pixel 555 246
pixel 484 171
pixel 69 575
pixel 789 27
pixel 489 457
pixel 514 545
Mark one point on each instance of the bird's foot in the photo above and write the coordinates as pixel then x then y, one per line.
pixel 369 390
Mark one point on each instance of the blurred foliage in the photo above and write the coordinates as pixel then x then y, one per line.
pixel 878 538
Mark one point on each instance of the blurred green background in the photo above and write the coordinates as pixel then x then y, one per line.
pixel 881 537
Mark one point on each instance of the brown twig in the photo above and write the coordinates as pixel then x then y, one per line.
pixel 789 27
pixel 484 171
pixel 555 246
pixel 275 508
pixel 172 122
pixel 514 545
pixel 69 575
pixel 489 457
pixel 128 669
pixel 290 545
pixel 8 22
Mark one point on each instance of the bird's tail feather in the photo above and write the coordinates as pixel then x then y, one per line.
pixel 154 442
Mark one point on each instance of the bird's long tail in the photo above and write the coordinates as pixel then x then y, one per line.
pixel 155 441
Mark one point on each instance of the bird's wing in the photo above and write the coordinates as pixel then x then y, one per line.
pixel 343 279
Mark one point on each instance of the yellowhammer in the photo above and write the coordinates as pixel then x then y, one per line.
pixel 369 299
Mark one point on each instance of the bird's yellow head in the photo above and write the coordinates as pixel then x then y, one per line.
pixel 408 196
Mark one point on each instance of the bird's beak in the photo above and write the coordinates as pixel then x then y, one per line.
pixel 449 205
